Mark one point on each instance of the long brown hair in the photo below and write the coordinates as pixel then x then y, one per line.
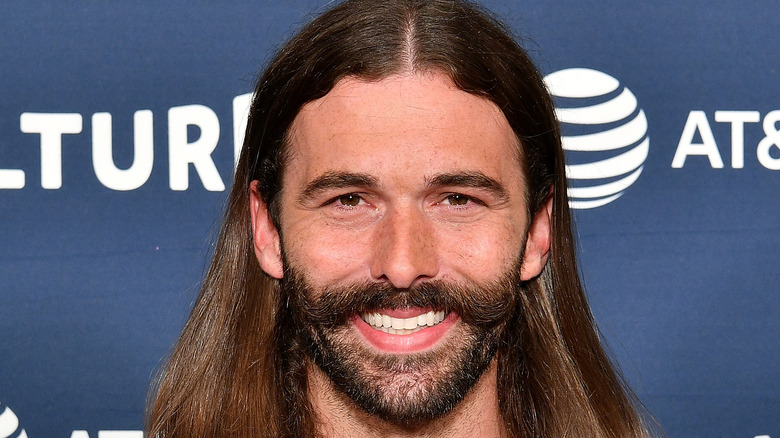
pixel 230 374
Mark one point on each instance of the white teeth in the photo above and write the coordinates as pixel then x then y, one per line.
pixel 403 326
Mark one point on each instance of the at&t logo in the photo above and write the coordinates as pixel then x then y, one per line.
pixel 9 424
pixel 604 135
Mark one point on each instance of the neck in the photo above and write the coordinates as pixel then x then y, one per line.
pixel 336 415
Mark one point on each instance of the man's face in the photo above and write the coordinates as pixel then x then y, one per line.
pixel 403 222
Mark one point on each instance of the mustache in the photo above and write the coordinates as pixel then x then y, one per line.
pixel 484 306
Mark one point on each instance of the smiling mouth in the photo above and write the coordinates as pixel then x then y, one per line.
pixel 402 326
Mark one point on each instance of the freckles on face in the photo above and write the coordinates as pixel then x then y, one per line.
pixel 402 179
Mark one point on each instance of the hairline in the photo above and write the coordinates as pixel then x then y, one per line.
pixel 286 147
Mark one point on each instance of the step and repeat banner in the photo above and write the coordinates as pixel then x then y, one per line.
pixel 118 126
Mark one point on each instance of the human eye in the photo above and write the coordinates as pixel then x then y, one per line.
pixel 456 199
pixel 348 200
pixel 459 200
pixel 349 209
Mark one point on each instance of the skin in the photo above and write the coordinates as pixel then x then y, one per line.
pixel 402 180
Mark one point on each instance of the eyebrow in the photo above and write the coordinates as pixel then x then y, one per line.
pixel 470 179
pixel 337 180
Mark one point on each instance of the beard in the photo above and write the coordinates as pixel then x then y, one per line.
pixel 408 390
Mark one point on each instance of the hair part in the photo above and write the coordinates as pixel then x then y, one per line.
pixel 232 372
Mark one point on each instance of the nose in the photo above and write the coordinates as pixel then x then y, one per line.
pixel 404 249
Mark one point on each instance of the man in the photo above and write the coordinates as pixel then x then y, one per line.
pixel 396 258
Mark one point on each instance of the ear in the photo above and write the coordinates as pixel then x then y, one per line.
pixel 537 244
pixel 268 248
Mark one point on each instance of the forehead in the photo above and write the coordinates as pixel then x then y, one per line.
pixel 413 122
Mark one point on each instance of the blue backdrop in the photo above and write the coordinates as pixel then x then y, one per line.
pixel 99 267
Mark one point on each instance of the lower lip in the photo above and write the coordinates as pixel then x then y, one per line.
pixel 411 343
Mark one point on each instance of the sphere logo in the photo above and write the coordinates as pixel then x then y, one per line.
pixel 9 424
pixel 604 135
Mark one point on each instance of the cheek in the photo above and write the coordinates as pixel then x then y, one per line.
pixel 328 256
pixel 332 255
pixel 481 253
